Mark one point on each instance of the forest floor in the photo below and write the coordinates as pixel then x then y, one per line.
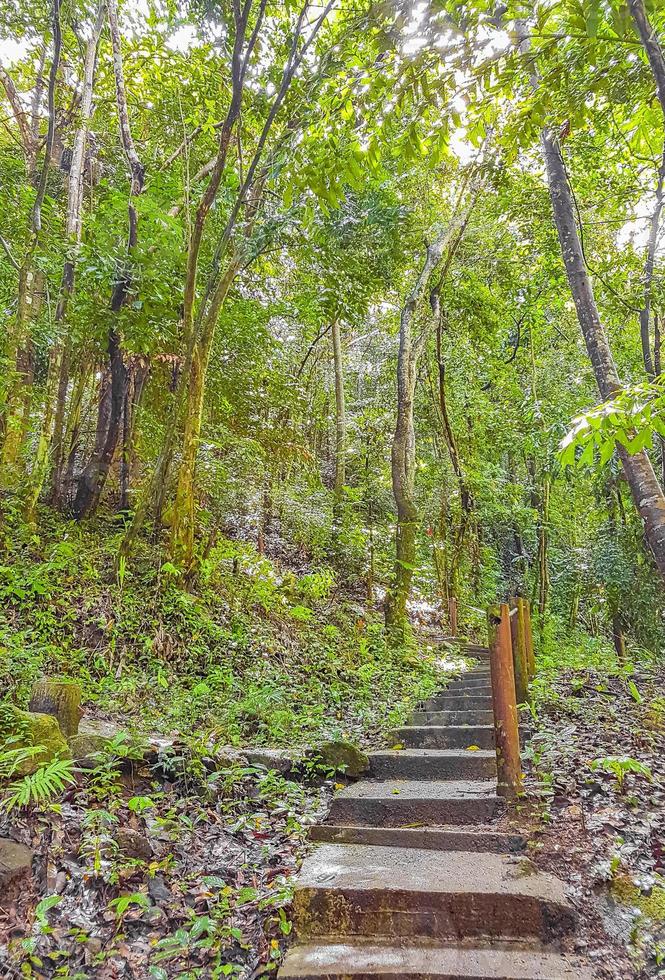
pixel 596 769
pixel 179 864
pixel 178 861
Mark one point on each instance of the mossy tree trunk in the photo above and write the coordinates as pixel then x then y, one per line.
pixel 416 323
pixel 61 698
pixel 340 418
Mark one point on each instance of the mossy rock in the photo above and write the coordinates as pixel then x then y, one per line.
pixel 85 747
pixel 342 755
pixel 61 697
pixel 24 729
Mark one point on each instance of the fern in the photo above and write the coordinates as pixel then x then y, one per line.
pixel 12 759
pixel 40 787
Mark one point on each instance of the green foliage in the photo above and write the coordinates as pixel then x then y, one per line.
pixel 630 420
pixel 620 766
pixel 40 788
pixel 254 654
pixel 125 903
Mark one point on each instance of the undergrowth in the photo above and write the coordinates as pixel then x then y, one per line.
pixel 249 650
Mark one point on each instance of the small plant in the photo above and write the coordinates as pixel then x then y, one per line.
pixel 620 766
pixel 124 903
pixel 634 692
pixel 12 760
pixel 138 804
pixel 41 910
pixel 98 843
pixel 41 787
pixel 122 571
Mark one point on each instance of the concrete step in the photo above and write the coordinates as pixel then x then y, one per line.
pixel 433 764
pixel 409 803
pixel 458 701
pixel 427 838
pixel 444 736
pixel 477 716
pixel 475 650
pixel 404 892
pixel 470 684
pixel 473 692
pixel 471 680
pixel 358 960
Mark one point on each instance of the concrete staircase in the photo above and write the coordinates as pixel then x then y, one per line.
pixel 410 879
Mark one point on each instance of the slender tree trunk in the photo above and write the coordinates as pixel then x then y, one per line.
pixel 340 417
pixel 52 427
pixel 403 454
pixel 183 525
pixel 201 334
pixel 645 488
pixel 199 327
pixel 93 477
pixel 18 399
pixel 543 544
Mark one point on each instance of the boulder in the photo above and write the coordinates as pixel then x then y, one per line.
pixel 343 756
pixel 85 747
pixel 281 760
pixel 226 757
pixel 15 863
pixel 28 728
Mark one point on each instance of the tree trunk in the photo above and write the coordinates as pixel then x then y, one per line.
pixel 403 454
pixel 18 402
pixel 52 428
pixel 645 488
pixel 543 542
pixel 182 525
pixel 60 697
pixel 340 418
pixel 93 477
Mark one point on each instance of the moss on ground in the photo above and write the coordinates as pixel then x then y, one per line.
pixel 652 905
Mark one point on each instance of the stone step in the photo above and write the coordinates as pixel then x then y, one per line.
pixel 358 960
pixel 472 692
pixel 433 764
pixel 471 680
pixel 404 892
pixel 477 716
pixel 444 736
pixel 470 684
pixel 458 701
pixel 427 838
pixel 409 803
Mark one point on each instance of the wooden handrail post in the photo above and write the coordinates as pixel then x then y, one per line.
pixel 528 635
pixel 518 641
pixel 506 731
pixel 452 615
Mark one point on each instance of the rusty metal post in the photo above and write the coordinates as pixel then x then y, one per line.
pixel 528 635
pixel 506 731
pixel 452 615
pixel 518 642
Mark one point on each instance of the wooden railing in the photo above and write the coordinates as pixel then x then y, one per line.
pixel 512 665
